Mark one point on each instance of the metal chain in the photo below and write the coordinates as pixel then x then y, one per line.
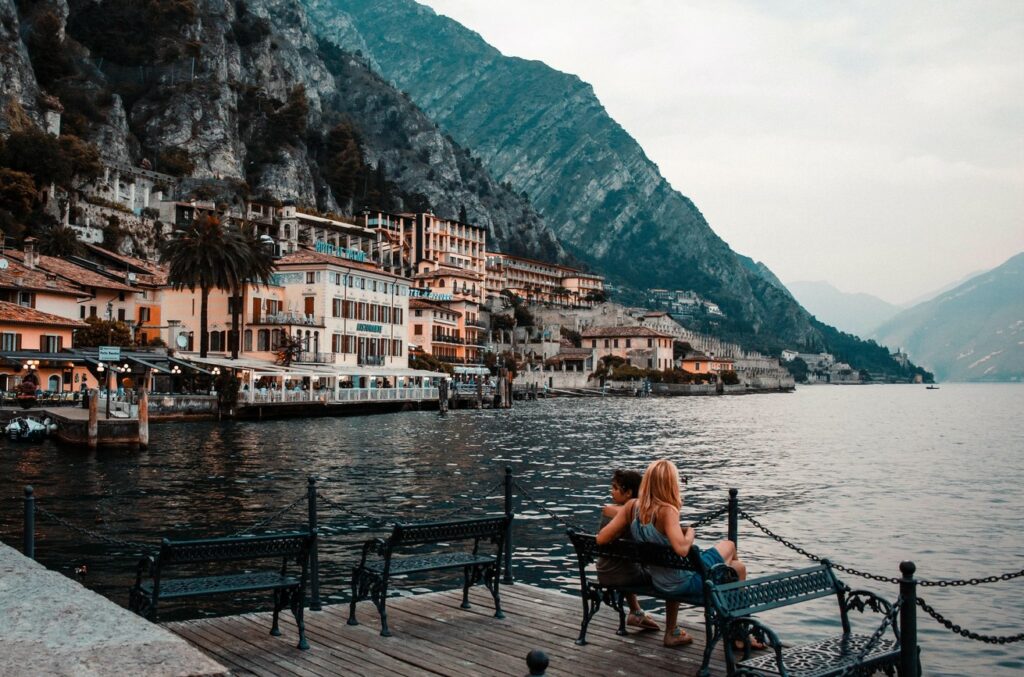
pixel 564 521
pixel 264 522
pixel 709 517
pixel 111 540
pixel 874 639
pixel 964 632
pixel 464 508
pixel 876 577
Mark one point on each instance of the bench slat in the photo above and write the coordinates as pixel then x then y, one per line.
pixel 826 657
pixel 757 595
pixel 288 544
pixel 171 588
pixel 410 565
pixel 439 532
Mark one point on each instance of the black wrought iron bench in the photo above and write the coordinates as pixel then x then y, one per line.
pixel 593 592
pixel 151 586
pixel 735 603
pixel 408 541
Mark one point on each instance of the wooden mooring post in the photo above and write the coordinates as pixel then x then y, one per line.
pixel 144 419
pixel 28 534
pixel 93 430
pixel 314 559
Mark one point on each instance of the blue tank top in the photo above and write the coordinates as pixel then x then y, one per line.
pixel 663 579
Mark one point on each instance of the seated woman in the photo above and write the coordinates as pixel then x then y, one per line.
pixel 653 517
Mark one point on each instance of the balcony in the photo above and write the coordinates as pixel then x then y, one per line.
pixel 478 324
pixel 289 318
pixel 315 358
pixel 371 360
pixel 454 340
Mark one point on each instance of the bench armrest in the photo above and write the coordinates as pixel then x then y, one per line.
pixel 742 630
pixel 143 568
pixel 722 573
pixel 862 600
pixel 375 545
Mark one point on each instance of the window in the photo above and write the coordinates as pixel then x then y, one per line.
pixel 10 341
pixel 397 319
pixel 650 343
pixel 247 340
pixel 649 362
pixel 120 297
pixel 629 343
pixel 51 344
pixel 310 277
pixel 696 366
pixel 606 343
pixel 81 312
pixel 374 285
pixel 615 343
pixel 144 314
pixel 336 309
pixel 27 299
pixel 419 313
pixel 417 329
pixel 263 339
pixel 396 347
pixel 336 343
pixel 120 314
pixel 92 310
pixel 593 343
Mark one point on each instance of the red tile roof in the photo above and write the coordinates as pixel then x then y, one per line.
pixel 75 273
pixel 18 276
pixel 620 332
pixel 12 313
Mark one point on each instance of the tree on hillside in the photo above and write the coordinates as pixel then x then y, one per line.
pixel 59 240
pixel 208 255
pixel 99 332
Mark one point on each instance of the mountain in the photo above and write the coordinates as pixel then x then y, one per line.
pixel 974 332
pixel 546 134
pixel 858 314
pixel 239 98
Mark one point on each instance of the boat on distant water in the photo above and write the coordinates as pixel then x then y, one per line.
pixel 932 387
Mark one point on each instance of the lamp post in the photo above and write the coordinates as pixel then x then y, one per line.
pixel 100 369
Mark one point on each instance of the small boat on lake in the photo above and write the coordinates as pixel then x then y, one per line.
pixel 932 387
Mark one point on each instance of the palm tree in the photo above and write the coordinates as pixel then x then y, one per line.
pixel 258 268
pixel 210 256
pixel 59 240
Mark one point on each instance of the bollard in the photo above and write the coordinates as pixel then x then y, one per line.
pixel 509 579
pixel 734 517
pixel 314 560
pixel 908 620
pixel 537 661
pixel 29 528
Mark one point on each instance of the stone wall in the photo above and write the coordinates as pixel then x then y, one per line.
pixel 182 406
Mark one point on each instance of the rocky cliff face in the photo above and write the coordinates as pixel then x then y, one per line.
pixel 546 133
pixel 241 93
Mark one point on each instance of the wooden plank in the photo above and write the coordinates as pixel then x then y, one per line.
pixel 433 636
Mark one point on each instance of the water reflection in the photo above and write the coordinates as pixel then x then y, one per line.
pixel 867 476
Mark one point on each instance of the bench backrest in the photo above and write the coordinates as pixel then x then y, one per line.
pixel 416 533
pixel 647 554
pixel 756 595
pixel 293 544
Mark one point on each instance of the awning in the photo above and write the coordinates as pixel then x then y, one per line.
pixel 188 364
pixel 144 363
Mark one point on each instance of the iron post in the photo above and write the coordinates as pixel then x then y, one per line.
pixel 314 562
pixel 537 661
pixel 509 579
pixel 734 517
pixel 908 620
pixel 29 529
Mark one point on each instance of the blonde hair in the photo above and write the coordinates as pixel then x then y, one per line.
pixel 660 487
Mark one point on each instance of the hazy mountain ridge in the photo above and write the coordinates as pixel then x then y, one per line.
pixel 974 332
pixel 858 314
pixel 546 133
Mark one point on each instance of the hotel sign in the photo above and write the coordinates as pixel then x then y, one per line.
pixel 374 328
pixel 341 252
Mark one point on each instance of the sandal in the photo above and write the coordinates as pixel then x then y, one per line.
pixel 678 637
pixel 641 619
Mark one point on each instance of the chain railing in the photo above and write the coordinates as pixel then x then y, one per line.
pixel 875 638
pixel 939 583
pixel 90 533
pixel 964 632
pixel 269 520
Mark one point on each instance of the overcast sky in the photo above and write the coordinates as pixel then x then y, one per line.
pixel 878 146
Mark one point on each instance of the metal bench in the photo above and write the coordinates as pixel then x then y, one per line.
pixel 593 592
pixel 735 603
pixel 370 578
pixel 151 587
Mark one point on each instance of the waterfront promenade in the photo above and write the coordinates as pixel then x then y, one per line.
pixel 433 636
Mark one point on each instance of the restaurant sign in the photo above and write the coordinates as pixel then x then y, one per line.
pixel 374 328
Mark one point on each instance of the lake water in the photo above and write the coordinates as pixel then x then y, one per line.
pixel 866 475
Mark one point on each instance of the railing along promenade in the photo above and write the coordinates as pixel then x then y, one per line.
pixel 341 395
pixel 902 614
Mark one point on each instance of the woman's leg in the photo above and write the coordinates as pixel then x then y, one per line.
pixel 671 616
pixel 634 604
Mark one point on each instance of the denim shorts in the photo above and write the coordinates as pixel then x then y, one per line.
pixel 690 586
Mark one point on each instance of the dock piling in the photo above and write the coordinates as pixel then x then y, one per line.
pixel 144 419
pixel 734 517
pixel 29 527
pixel 93 431
pixel 314 560
pixel 508 579
pixel 908 620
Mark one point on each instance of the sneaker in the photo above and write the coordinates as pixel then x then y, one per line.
pixel 642 620
pixel 678 637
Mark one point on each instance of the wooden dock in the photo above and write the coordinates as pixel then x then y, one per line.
pixel 433 636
